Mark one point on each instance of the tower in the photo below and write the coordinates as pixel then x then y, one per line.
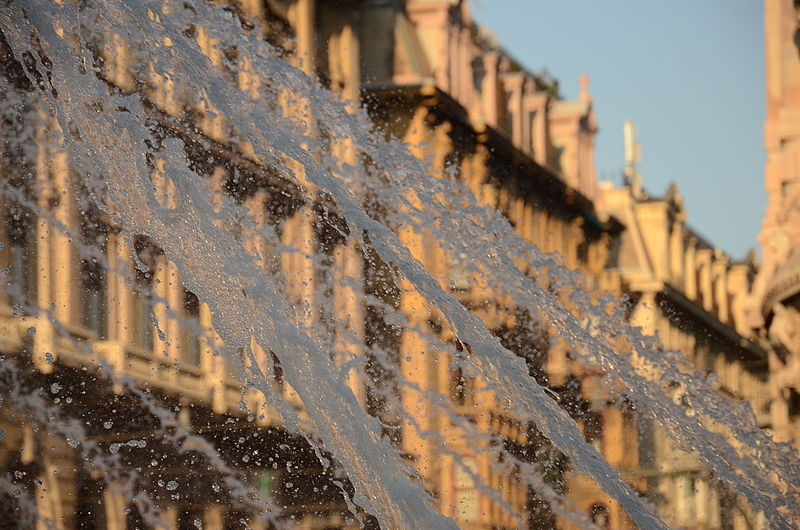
pixel 776 305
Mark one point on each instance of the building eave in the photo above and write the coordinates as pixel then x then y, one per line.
pixel 673 295
pixel 547 182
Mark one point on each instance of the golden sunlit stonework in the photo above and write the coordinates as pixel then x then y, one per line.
pixel 430 76
pixel 775 309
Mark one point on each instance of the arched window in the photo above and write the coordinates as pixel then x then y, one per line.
pixel 599 515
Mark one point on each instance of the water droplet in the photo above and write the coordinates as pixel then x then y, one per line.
pixel 108 424
pixel 172 485
pixel 48 358
pixel 55 388
pixel 32 330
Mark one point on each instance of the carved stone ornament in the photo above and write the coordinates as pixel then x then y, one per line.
pixel 784 333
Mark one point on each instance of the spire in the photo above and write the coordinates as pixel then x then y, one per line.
pixel 583 82
pixel 633 157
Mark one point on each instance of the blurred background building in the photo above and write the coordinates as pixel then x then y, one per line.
pixel 428 74
pixel 776 304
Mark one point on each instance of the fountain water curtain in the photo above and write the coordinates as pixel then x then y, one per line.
pixel 132 157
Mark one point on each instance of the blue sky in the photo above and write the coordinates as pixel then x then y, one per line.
pixel 689 73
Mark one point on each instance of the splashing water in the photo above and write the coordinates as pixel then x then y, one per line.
pixel 149 170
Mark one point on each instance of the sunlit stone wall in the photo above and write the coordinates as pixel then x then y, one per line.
pixel 776 305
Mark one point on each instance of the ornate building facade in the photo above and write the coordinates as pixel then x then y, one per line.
pixel 462 102
pixel 433 78
pixel 693 297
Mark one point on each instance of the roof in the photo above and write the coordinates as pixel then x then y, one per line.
pixel 577 106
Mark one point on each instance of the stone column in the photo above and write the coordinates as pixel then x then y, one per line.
pixel 297 263
pixel 48 497
pixel 704 287
pixel 489 90
pixel 174 326
pixel 169 516
pixel 65 275
pixel 676 252
pixel 115 504
pixel 351 64
pixel 348 303
pixel 416 366
pixel 56 495
pixel 690 269
pixel 214 517
pixel 720 286
pixel 301 16
pixel 44 337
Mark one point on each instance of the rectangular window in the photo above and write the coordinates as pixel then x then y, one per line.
pixel 142 318
pixel 94 309
pixel 466 496
pixel 461 388
pixel 191 327
pixel 141 311
pixel 593 430
pixel 509 124
pixel 94 278
pixel 459 273
pixel 21 231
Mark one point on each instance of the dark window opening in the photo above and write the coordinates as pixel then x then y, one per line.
pixel 22 263
pixel 94 278
pixel 599 516
pixel 142 302
pixel 794 403
pixel 89 509
pixel 191 329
